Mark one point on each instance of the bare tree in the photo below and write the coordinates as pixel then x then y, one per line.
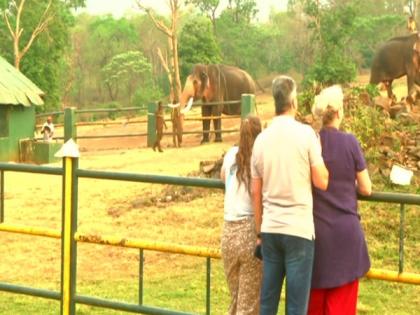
pixel 16 30
pixel 172 67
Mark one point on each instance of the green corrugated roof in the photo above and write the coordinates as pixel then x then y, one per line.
pixel 15 88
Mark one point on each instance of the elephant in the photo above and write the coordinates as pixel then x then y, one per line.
pixel 399 56
pixel 216 83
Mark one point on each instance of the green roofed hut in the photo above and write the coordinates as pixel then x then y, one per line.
pixel 18 98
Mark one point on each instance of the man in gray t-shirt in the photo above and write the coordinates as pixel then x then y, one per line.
pixel 286 161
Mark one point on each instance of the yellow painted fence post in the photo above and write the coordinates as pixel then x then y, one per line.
pixel 70 154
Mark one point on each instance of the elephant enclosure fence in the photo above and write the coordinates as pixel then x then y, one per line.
pixel 128 127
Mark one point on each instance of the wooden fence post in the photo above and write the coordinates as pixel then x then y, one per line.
pixel 247 105
pixel 151 124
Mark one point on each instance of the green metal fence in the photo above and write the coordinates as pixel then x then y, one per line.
pixel 247 103
pixel 71 173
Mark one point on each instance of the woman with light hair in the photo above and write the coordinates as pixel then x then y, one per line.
pixel 341 255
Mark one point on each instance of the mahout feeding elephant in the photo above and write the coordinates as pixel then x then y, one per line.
pixel 216 83
pixel 397 57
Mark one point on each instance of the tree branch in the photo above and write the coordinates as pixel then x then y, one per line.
pixel 41 27
pixel 6 19
pixel 164 63
pixel 159 24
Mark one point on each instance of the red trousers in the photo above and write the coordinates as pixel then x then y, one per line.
pixel 335 301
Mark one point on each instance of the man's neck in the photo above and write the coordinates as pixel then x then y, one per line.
pixel 289 113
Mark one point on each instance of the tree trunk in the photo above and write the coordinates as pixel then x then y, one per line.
pixel 17 30
pixel 177 79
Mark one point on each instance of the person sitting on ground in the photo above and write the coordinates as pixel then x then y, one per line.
pixel 239 238
pixel 48 129
pixel 341 255
pixel 160 123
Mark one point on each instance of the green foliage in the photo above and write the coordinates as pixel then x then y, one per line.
pixel 197 44
pixel 331 27
pixel 331 69
pixel 370 31
pixel 242 11
pixel 207 7
pixel 371 89
pixel 367 123
pixel 96 40
pixel 306 99
pixel 108 38
pixel 125 71
pixel 45 63
pixel 146 93
pixel 242 50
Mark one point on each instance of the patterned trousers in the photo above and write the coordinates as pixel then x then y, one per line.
pixel 243 271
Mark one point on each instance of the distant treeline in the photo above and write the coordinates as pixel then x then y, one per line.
pixel 88 61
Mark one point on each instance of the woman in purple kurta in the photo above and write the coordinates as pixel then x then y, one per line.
pixel 341 255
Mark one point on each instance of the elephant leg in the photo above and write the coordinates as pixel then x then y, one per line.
pixel 205 112
pixel 388 85
pixel 411 89
pixel 217 123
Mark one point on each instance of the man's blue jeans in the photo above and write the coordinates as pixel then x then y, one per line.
pixel 291 257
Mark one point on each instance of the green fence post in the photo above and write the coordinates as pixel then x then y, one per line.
pixel 208 285
pixel 70 131
pixel 1 196
pixel 247 105
pixel 141 273
pixel 401 245
pixel 70 154
pixel 151 124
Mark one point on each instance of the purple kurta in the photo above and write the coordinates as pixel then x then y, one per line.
pixel 341 254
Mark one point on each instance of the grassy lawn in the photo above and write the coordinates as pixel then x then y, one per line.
pixel 180 215
pixel 185 291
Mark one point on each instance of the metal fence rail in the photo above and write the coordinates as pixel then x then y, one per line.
pixel 246 103
pixel 70 237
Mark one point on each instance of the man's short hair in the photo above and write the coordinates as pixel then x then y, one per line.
pixel 284 93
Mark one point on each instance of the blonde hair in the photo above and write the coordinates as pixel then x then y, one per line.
pixel 250 128
pixel 328 103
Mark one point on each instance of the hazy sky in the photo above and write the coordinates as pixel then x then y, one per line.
pixel 119 7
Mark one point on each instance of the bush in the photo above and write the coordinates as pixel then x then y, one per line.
pixel 331 69
pixel 306 99
pixel 367 123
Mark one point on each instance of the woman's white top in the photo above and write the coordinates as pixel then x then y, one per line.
pixel 237 199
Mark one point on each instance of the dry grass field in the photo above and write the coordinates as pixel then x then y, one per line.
pixel 145 211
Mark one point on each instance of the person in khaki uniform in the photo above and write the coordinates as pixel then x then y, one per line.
pixel 242 268
pixel 177 118
pixel 160 123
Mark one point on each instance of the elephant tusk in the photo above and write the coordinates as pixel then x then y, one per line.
pixel 188 107
pixel 173 105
